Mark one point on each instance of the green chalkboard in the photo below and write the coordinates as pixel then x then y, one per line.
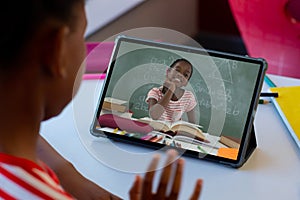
pixel 223 87
pixel 138 105
pixel 137 72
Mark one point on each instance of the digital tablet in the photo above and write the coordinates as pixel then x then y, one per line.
pixel 162 95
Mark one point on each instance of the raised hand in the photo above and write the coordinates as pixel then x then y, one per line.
pixel 142 187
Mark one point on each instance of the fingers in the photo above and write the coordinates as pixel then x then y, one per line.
pixel 177 180
pixel 142 188
pixel 197 190
pixel 148 179
pixel 135 191
pixel 165 176
pixel 170 85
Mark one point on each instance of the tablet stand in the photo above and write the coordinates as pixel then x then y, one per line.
pixel 252 144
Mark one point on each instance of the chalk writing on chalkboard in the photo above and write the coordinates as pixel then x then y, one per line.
pixel 214 82
pixel 140 103
pixel 225 67
pixel 155 73
pixel 165 61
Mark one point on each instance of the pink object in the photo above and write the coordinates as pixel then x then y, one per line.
pixel 114 121
pixel 269 32
pixel 98 56
pixel 93 76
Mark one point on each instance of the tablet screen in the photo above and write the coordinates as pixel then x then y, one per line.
pixel 164 95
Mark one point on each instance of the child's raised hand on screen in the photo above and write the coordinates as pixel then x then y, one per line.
pixel 170 85
pixel 173 80
pixel 142 187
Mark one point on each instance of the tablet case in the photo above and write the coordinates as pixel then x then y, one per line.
pixel 251 146
pixel 248 148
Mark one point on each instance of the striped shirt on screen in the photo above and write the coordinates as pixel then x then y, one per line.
pixel 175 109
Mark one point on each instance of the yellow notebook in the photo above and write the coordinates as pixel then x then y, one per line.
pixel 288 106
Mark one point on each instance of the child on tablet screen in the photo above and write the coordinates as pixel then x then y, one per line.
pixel 42 49
pixel 170 101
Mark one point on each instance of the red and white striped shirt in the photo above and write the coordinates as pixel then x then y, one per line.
pixel 175 109
pixel 23 179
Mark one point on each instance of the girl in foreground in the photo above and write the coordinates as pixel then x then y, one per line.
pixel 42 49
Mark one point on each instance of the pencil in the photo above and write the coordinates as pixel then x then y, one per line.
pixel 156 139
pixel 122 132
pixel 148 137
pixel 269 81
pixel 201 149
pixel 152 138
pixel 269 94
pixel 115 130
pixel 263 101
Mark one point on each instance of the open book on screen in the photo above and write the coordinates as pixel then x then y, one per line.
pixel 175 127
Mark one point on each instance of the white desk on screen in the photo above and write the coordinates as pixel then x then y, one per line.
pixel 272 172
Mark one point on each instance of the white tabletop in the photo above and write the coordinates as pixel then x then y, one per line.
pixel 272 172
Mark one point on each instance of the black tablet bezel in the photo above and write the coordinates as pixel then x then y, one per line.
pixel 248 129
